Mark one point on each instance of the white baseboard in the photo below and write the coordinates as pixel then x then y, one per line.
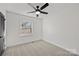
pixel 74 51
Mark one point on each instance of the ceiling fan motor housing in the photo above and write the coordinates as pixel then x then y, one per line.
pixel 37 7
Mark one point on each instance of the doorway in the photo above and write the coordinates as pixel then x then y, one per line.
pixel 2 28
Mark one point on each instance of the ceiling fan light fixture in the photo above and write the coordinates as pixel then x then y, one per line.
pixel 37 12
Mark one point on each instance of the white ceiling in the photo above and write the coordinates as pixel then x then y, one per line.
pixel 23 8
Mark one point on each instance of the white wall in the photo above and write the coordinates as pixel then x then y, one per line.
pixel 12 27
pixel 61 26
pixel 21 8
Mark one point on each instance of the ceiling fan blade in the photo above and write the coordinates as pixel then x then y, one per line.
pixel 32 6
pixel 44 6
pixel 32 12
pixel 43 12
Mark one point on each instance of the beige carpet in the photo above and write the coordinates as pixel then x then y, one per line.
pixel 37 48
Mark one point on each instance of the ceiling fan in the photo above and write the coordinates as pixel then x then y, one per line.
pixel 39 10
